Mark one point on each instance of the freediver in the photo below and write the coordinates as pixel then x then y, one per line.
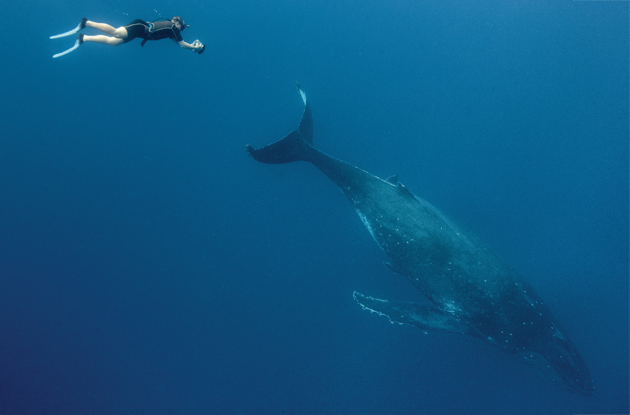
pixel 156 30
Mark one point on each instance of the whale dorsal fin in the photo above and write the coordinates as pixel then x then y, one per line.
pixel 392 179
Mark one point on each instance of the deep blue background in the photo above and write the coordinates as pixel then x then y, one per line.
pixel 149 266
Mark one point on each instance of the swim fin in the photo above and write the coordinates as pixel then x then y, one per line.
pixel 73 31
pixel 76 45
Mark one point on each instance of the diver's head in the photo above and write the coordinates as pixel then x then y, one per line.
pixel 179 22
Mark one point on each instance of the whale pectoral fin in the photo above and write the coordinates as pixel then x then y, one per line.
pixel 422 316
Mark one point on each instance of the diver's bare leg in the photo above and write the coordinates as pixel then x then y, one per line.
pixel 120 32
pixel 107 40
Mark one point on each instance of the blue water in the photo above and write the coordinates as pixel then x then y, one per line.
pixel 149 266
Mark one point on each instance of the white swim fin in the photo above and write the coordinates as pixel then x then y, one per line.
pixel 76 45
pixel 73 31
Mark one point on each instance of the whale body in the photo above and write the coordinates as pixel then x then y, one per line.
pixel 472 290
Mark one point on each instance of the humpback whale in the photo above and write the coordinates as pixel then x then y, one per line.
pixel 470 288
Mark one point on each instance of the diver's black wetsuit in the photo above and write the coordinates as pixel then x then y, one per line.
pixel 161 30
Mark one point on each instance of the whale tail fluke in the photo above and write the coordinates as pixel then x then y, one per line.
pixel 295 146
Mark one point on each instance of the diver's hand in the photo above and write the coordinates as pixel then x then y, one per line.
pixel 198 46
